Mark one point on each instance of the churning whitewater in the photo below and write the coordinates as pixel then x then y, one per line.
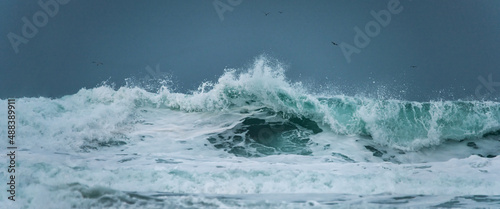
pixel 253 139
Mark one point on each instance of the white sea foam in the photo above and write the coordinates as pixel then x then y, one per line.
pixel 131 148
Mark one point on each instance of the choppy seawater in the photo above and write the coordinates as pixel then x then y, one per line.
pixel 252 140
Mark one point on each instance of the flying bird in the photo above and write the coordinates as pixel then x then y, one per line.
pixel 413 66
pixel 97 63
pixel 335 44
pixel 266 13
pixel 280 12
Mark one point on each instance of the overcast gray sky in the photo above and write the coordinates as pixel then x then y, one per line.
pixel 455 45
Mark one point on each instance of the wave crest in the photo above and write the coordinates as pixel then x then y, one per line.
pixel 399 124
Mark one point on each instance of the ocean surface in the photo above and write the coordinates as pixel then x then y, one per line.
pixel 253 139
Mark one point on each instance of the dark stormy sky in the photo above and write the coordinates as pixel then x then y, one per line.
pixel 454 44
